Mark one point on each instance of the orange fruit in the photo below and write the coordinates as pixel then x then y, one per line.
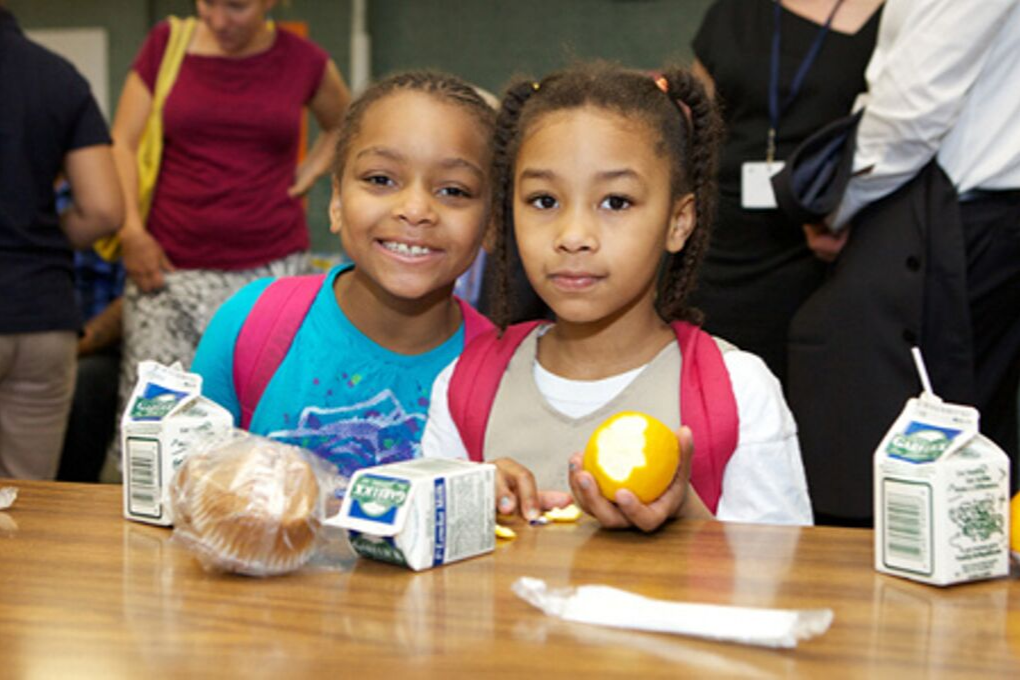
pixel 632 451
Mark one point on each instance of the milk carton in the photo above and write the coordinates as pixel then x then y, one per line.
pixel 941 497
pixel 165 419
pixel 421 513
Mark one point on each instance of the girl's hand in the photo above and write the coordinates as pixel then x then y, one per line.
pixel 144 259
pixel 516 492
pixel 678 499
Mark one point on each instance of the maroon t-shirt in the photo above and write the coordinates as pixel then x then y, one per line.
pixel 231 131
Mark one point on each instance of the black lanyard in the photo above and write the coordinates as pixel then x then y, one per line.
pixel 775 110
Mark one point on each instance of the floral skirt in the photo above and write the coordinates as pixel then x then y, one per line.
pixel 166 325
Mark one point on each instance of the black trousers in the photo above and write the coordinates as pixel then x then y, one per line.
pixel 921 268
pixel 92 422
pixel 991 229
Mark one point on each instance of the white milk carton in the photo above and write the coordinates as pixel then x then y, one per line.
pixel 421 513
pixel 165 419
pixel 941 497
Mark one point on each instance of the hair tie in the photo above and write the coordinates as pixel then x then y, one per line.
pixel 686 111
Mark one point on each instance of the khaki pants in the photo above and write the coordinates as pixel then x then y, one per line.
pixel 36 386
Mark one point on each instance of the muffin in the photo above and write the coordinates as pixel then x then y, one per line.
pixel 251 506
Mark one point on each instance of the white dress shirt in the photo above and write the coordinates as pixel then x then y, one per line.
pixel 945 80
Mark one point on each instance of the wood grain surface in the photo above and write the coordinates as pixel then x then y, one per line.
pixel 87 594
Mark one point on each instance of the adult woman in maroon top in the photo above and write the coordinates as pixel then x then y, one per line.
pixel 227 205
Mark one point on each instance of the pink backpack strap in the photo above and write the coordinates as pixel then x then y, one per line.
pixel 708 407
pixel 475 323
pixel 475 380
pixel 267 334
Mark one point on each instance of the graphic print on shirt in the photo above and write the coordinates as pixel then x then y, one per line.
pixel 376 431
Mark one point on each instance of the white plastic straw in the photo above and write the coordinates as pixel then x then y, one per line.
pixel 921 370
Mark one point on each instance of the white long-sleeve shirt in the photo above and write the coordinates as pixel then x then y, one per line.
pixel 944 80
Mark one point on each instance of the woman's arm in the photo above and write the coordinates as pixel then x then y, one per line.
pixel 103 330
pixel 98 206
pixel 328 106
pixel 144 259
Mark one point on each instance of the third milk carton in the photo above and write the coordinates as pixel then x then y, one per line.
pixel 941 497
pixel 165 420
pixel 421 513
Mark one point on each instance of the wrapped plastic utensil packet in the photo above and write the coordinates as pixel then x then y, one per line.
pixel 606 606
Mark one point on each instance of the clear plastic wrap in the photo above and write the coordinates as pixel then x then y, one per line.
pixel 605 606
pixel 251 505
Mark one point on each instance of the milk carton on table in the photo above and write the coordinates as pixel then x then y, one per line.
pixel 165 419
pixel 421 513
pixel 941 497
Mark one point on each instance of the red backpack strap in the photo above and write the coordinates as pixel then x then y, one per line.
pixel 475 323
pixel 267 334
pixel 708 407
pixel 475 379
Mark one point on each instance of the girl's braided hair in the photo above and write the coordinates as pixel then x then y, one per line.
pixel 445 87
pixel 674 104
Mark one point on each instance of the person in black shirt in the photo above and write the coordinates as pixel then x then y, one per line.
pixel 49 126
pixel 758 269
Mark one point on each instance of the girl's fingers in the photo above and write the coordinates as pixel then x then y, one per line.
pixel 651 516
pixel 506 502
pixel 520 486
pixel 591 500
pixel 547 500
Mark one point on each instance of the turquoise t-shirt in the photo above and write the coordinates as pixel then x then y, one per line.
pixel 337 392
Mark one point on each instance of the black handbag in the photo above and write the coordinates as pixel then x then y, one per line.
pixel 811 184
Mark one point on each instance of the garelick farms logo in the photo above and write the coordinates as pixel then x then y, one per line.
pixel 378 495
pixel 921 446
pixel 155 402
pixel 978 520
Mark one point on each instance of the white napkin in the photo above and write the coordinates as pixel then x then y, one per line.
pixel 605 606
pixel 7 496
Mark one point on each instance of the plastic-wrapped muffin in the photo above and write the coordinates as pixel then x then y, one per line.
pixel 250 505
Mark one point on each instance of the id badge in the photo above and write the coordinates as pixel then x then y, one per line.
pixel 756 184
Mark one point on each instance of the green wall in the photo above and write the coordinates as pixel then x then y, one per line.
pixel 485 41
pixel 489 41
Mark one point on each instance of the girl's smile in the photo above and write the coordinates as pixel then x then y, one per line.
pixel 413 200
pixel 409 251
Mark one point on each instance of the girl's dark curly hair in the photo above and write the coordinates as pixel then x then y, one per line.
pixel 673 103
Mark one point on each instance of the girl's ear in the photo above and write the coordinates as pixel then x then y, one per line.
pixel 682 220
pixel 334 208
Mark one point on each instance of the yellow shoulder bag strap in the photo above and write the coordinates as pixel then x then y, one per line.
pixel 150 146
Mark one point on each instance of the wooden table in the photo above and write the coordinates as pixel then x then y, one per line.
pixel 85 593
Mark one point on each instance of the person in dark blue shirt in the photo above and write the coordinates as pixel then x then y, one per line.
pixel 49 125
